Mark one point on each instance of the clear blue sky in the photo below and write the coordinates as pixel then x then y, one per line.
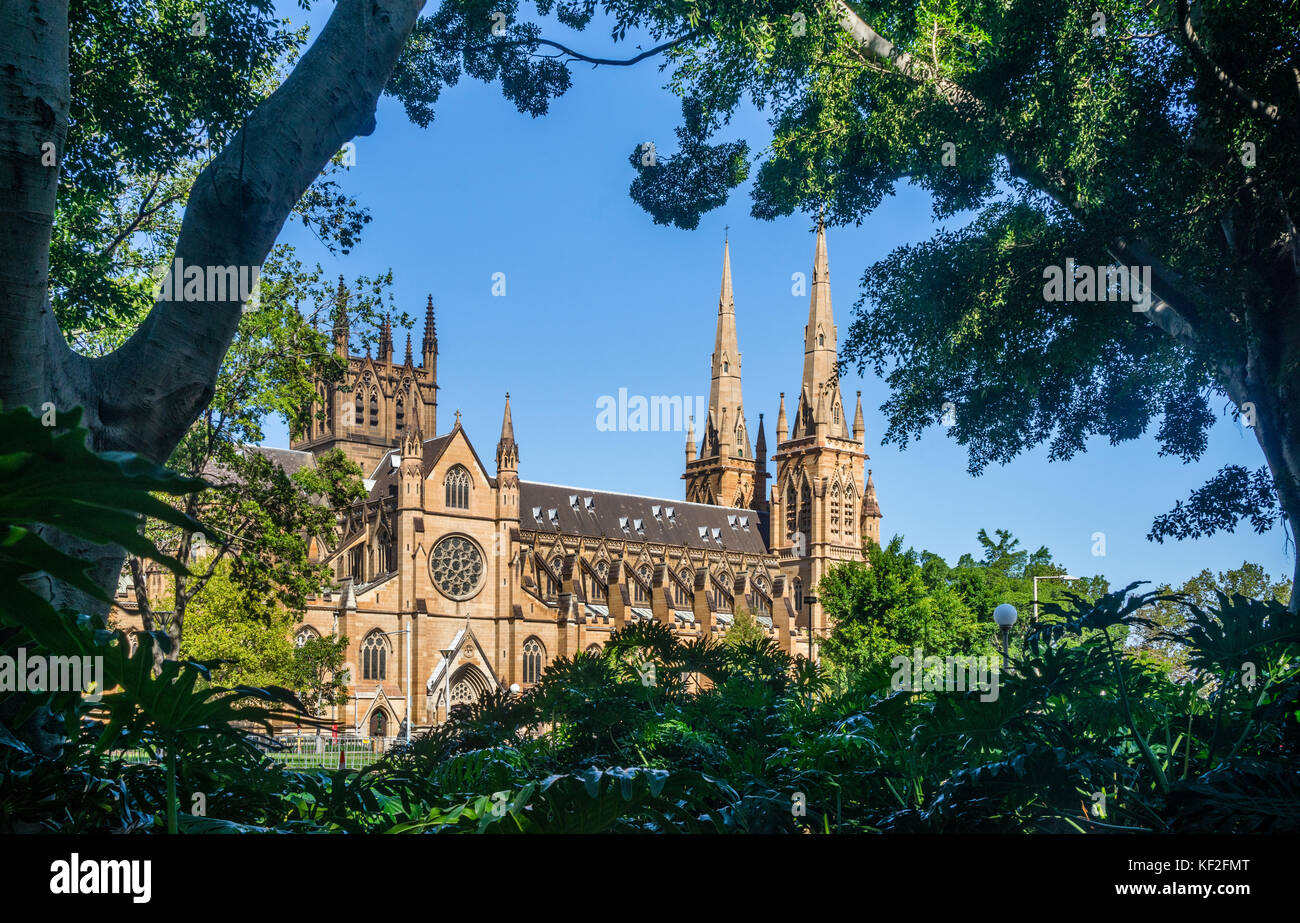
pixel 599 298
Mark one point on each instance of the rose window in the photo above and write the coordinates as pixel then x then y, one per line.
pixel 457 567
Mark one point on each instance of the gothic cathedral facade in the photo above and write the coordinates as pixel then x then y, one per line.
pixel 454 578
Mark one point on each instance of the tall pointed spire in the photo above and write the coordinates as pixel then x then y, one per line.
pixel 690 440
pixel 859 427
pixel 821 362
pixel 726 410
pixel 429 349
pixel 341 331
pixel 507 450
pixel 507 423
pixel 782 425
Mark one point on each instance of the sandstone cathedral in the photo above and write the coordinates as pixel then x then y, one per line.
pixel 488 577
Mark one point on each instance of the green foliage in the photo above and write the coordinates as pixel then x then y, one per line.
pixel 745 628
pixel 898 601
pixel 1160 639
pixel 655 734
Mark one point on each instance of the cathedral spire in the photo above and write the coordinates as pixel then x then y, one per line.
pixel 429 349
pixel 782 425
pixel 859 427
pixel 871 514
pixel 409 359
pixel 690 440
pixel 726 409
pixel 821 362
pixel 341 332
pixel 507 450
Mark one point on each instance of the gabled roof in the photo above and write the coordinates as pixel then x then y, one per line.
pixel 616 516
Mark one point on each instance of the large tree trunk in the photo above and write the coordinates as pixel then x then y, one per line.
pixel 143 397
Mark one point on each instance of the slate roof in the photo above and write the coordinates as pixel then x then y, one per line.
pixel 616 516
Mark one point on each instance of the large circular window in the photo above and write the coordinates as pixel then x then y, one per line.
pixel 456 565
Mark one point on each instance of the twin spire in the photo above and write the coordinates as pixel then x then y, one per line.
pixel 725 433
pixel 820 404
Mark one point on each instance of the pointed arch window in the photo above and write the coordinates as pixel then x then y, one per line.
pixel 457 483
pixel 850 523
pixel 534 655
pixel 374 657
pixel 379 723
pixel 805 511
pixel 639 593
pixel 400 411
pixel 374 408
pixel 791 509
pixel 798 594
pixel 387 547
pixel 821 339
pixel 835 509
pixel 683 589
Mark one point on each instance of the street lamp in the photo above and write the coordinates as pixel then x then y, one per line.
pixel 1005 615
pixel 1047 577
pixel 811 601
pixel 407 645
pixel 446 682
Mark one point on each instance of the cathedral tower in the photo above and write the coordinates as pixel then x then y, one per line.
pixel 726 471
pixel 379 399
pixel 818 514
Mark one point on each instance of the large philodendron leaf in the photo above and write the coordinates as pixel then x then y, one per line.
pixel 49 476
pixel 1235 632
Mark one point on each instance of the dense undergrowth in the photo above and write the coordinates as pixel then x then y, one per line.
pixel 1080 737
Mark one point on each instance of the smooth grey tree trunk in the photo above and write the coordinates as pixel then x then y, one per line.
pixel 143 397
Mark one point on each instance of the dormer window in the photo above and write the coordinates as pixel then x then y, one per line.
pixel 553 514
pixel 537 515
pixel 704 533
pixel 717 535
pixel 622 523
pixel 638 526
pixel 590 504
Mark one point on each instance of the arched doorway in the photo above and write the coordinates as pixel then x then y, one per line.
pixel 467 685
pixel 379 723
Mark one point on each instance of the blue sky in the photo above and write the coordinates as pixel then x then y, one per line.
pixel 598 298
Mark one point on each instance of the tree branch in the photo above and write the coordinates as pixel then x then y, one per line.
pixel 1256 106
pixel 151 389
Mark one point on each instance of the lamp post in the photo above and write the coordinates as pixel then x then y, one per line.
pixel 407 645
pixel 1047 577
pixel 446 682
pixel 1005 615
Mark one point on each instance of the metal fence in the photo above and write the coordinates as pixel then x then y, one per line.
pixel 304 751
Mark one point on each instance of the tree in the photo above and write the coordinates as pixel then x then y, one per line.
pixel 745 628
pixel 259 519
pixel 884 608
pixel 253 634
pixel 1147 137
pixel 1167 618
pixel 192 92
